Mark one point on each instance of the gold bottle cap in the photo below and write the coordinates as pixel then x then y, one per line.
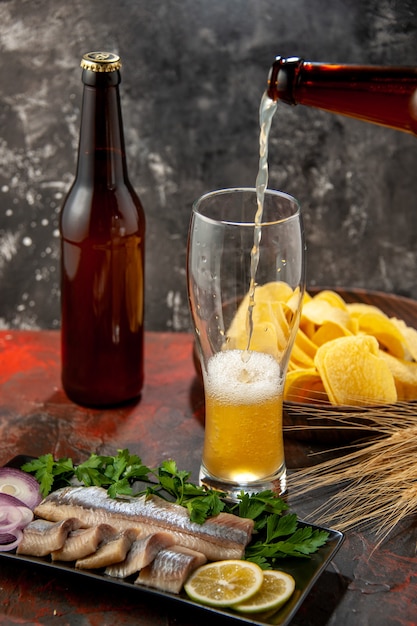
pixel 101 62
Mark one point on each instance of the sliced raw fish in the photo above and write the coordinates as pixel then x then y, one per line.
pixel 82 542
pixel 170 569
pixel 42 537
pixel 112 551
pixel 142 552
pixel 223 536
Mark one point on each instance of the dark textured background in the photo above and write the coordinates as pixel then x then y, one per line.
pixel 193 75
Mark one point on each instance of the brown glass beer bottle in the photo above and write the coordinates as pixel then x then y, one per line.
pixel 102 253
pixel 377 94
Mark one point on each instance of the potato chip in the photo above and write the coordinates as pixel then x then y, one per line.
pixel 271 329
pixel 274 290
pixel 280 317
pixel 388 335
pixel 410 338
pixel 299 358
pixel 333 298
pixel 305 344
pixel 356 309
pixel 263 339
pixel 405 377
pixel 304 386
pixel 329 331
pixel 317 312
pixel 291 308
pixel 353 372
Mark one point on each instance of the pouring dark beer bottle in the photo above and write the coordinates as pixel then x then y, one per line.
pixel 102 227
pixel 377 94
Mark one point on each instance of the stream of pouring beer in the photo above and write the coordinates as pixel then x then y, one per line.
pixel 266 113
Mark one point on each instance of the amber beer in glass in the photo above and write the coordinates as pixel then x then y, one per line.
pixel 385 95
pixel 244 337
pixel 102 253
pixel 243 438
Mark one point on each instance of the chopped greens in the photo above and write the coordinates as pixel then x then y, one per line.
pixel 277 534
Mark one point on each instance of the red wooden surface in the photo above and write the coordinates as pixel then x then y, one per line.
pixel 363 585
pixel 36 416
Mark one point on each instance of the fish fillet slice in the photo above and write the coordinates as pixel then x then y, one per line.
pixel 109 552
pixel 41 537
pixel 224 536
pixel 82 542
pixel 142 552
pixel 170 569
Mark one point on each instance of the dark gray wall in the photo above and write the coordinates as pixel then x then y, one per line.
pixel 193 75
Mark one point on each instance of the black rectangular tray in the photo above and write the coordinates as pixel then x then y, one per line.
pixel 305 571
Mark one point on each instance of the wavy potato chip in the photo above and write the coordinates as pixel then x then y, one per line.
pixel 405 376
pixel 264 339
pixel 353 372
pixel 273 317
pixel 332 297
pixel 329 331
pixel 268 334
pixel 274 290
pixel 300 358
pixel 387 333
pixel 304 386
pixel 291 307
pixel 316 312
pixel 410 338
pixel 356 309
pixel 305 344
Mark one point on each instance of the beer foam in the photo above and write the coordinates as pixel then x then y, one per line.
pixel 232 377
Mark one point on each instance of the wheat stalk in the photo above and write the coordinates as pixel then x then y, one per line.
pixel 374 483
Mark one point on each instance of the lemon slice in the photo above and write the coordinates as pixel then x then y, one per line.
pixel 224 583
pixel 276 589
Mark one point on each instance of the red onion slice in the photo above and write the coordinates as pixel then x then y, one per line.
pixel 26 516
pixel 19 517
pixel 6 500
pixel 14 516
pixel 9 541
pixel 20 485
pixel 19 495
pixel 10 519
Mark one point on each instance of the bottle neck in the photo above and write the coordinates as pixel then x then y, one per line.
pixel 377 94
pixel 101 154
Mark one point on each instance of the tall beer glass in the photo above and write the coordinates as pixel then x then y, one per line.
pixel 246 281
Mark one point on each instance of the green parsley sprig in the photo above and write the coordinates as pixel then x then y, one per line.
pixel 117 473
pixel 277 533
pixel 283 537
pixel 200 502
pixel 121 475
